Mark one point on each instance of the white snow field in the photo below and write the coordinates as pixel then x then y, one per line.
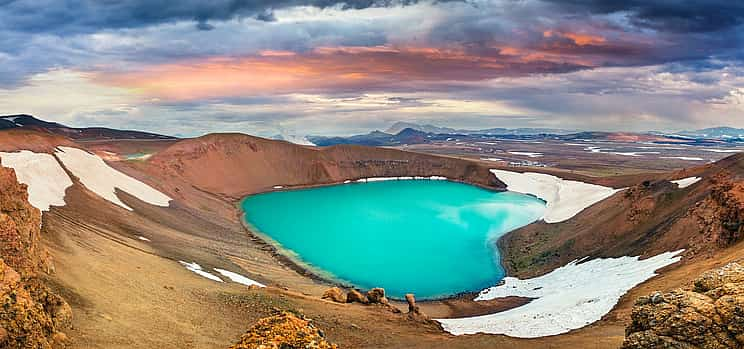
pixel 564 198
pixel 196 268
pixel 567 298
pixel 235 277
pixel 527 154
pixel 687 158
pixel 45 178
pixel 686 182
pixel 103 180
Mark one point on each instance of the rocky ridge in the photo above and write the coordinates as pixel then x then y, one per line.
pixel 284 331
pixel 709 315
pixel 31 316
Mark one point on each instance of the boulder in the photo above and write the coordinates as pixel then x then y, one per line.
pixel 284 330
pixel 414 312
pixel 709 316
pixel 412 307
pixel 356 296
pixel 377 295
pixel 713 279
pixel 334 294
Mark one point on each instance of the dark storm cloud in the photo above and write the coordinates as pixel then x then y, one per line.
pixel 76 16
pixel 667 15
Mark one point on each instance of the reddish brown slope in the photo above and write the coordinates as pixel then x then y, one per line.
pixel 22 139
pixel 234 165
pixel 649 218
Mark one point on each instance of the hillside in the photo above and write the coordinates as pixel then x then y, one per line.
pixel 234 165
pixel 646 219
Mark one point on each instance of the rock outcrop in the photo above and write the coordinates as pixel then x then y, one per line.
pixel 356 296
pixel 283 331
pixel 19 227
pixel 708 316
pixel 721 215
pixel 334 294
pixel 377 295
pixel 31 316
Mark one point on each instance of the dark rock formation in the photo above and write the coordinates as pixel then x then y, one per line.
pixel 334 294
pixel 283 331
pixel 356 296
pixel 721 215
pixel 377 295
pixel 412 307
pixel 31 316
pixel 414 312
pixel 709 316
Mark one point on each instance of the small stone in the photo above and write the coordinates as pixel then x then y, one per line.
pixel 657 298
pixel 60 340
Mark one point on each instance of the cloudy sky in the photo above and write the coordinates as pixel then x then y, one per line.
pixel 189 67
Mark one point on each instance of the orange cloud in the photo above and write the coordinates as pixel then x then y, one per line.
pixel 332 69
pixel 584 39
pixel 275 53
pixel 578 38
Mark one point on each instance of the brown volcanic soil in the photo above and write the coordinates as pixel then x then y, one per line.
pixel 128 293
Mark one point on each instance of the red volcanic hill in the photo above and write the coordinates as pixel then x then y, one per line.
pixel 235 165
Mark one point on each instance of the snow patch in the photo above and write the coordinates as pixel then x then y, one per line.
pixel 567 298
pixel 524 153
pixel 492 159
pixel 45 178
pixel 296 139
pixel 686 182
pixel 564 198
pixel 196 268
pixel 103 180
pixel 722 150
pixel 143 238
pixel 635 153
pixel 235 277
pixel 278 187
pixel 688 158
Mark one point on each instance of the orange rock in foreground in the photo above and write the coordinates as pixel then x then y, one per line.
pixel 283 330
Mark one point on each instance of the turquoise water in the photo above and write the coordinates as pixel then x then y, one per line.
pixel 431 238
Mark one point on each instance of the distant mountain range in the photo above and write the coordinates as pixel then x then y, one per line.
pixel 715 132
pixel 400 126
pixel 410 133
pixel 403 133
pixel 23 121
